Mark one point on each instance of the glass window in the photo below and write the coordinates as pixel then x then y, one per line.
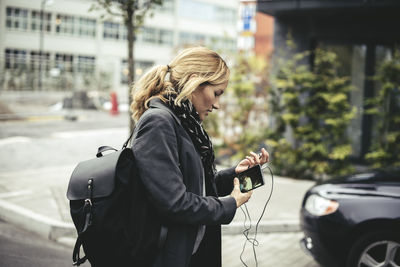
pixel 64 62
pixel 149 35
pixel 37 60
pixel 224 43
pixel 155 36
pixel 86 64
pixel 196 10
pixel 186 38
pixel 166 37
pixel 352 60
pixel 111 30
pixel 15 59
pixel 140 68
pixel 124 33
pixel 65 24
pixel 225 15
pixel 87 27
pixel 36 21
pixel 17 18
pixel 167 6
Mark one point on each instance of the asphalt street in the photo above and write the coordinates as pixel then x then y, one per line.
pixel 21 248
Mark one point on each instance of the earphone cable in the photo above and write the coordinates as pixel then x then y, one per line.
pixel 246 230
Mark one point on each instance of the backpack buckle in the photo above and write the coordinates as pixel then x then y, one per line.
pixel 88 202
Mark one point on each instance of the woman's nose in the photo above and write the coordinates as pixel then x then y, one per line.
pixel 216 105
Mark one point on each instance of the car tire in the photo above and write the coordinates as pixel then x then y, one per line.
pixel 371 248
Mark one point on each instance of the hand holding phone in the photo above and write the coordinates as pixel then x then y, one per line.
pixel 251 178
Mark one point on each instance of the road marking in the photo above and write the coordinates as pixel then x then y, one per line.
pixel 15 194
pixel 15 139
pixel 74 134
pixel 38 171
pixel 45 118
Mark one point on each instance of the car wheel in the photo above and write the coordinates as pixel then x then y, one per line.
pixel 377 249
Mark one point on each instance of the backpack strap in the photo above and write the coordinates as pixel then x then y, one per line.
pixel 75 255
pixel 129 139
pixel 87 208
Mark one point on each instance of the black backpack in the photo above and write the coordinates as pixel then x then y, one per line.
pixel 116 224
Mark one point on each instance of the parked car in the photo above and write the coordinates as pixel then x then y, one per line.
pixel 354 220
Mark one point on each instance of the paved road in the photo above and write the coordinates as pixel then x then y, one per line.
pixel 21 248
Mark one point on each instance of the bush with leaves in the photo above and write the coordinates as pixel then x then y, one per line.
pixel 312 108
pixel 243 107
pixel 385 106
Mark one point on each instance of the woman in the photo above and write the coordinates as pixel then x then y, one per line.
pixel 175 157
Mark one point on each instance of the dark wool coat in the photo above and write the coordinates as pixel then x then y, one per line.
pixel 172 172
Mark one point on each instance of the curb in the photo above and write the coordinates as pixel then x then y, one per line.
pixel 36 117
pixel 65 233
pixel 39 224
pixel 281 226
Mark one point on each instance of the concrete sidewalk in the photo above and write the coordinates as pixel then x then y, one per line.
pixel 33 196
pixel 42 206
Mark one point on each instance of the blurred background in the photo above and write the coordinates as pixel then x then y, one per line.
pixel 309 78
pixel 316 82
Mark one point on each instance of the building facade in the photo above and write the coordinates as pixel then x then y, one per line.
pixel 78 50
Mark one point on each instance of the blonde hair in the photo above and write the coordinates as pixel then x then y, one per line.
pixel 190 69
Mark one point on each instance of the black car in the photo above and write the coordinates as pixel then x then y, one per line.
pixel 354 220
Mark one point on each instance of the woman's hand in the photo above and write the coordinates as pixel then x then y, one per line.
pixel 240 197
pixel 252 160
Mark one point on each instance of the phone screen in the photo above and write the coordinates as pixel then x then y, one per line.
pixel 251 178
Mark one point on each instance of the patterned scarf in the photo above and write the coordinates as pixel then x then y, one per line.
pixel 191 122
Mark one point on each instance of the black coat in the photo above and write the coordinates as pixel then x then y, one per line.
pixel 172 172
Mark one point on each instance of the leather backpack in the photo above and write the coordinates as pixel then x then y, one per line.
pixel 114 219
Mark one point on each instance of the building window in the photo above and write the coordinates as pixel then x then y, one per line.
pixel 87 27
pixel 38 59
pixel 196 10
pixel 140 68
pixel 155 36
pixel 64 62
pixel 15 59
pixel 166 7
pixel 223 43
pixel 193 9
pixel 17 18
pixel 124 33
pixel 86 64
pixel 65 24
pixel 36 21
pixel 225 15
pixel 166 37
pixel 186 38
pixel 149 35
pixel 111 30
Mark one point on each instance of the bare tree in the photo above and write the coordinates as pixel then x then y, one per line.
pixel 133 13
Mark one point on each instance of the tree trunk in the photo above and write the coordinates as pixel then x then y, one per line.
pixel 129 23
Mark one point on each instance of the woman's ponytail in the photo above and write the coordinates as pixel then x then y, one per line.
pixel 187 71
pixel 149 86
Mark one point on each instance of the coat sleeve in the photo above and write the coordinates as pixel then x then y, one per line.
pixel 156 154
pixel 224 181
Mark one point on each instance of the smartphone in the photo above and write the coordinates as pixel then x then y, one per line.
pixel 251 178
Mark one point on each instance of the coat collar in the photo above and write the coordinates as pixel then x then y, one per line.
pixel 158 103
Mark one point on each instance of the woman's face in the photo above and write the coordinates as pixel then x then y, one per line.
pixel 206 98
